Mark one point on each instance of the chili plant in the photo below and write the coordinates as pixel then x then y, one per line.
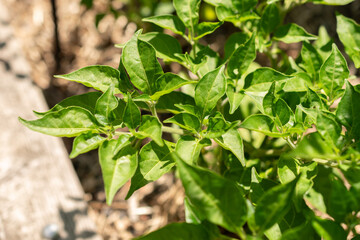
pixel 262 151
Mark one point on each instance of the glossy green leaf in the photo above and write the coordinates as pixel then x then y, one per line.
pixel 186 121
pixel 261 123
pixel 97 77
pixel 333 73
pixel 218 125
pixel 209 59
pixel 262 78
pixel 167 83
pixel 105 106
pixel 241 59
pixel 232 141
pixel 288 169
pixel 270 18
pixel 170 22
pixel 140 62
pixel 68 122
pixel 328 229
pixel 214 197
pixel 122 141
pixel 116 169
pixel 168 101
pixel 312 60
pixel 191 215
pixel 332 2
pixel 188 12
pixel 349 34
pixel 282 111
pixel 125 83
pixel 165 45
pixel 348 111
pixel 209 90
pixel 150 127
pixel 234 97
pixel 178 231
pixel 85 143
pixel 304 231
pixel 86 101
pixel 291 33
pixel 273 205
pixel 154 161
pixel 132 114
pixel 328 127
pixel 205 28
pixel 233 42
pixel 188 148
pixel 269 99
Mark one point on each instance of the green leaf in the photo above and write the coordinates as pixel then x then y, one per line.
pixel 273 205
pixel 332 2
pixel 85 143
pixel 97 77
pixel 186 121
pixel 349 34
pixel 165 45
pixel 209 90
pixel 301 232
pixel 312 60
pixel 270 18
pixel 328 229
pixel 168 83
pixel 348 111
pixel 125 84
pixel 140 62
pixel 282 111
pixel 262 78
pixel 188 12
pixel 205 28
pixel 150 127
pixel 269 99
pixel 170 22
pixel 105 106
pixel 313 146
pixel 288 169
pixel 262 123
pixel 214 197
pixel 68 122
pixel 86 101
pixel 241 59
pixel 188 148
pixel 234 97
pixel 116 169
pixel 154 161
pixel 333 73
pixel 218 125
pixel 232 141
pixel 291 33
pixel 209 60
pixel 178 231
pixel 168 101
pixel 328 128
pixel 132 114
pixel 233 42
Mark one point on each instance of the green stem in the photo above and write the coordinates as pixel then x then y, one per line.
pixel 172 130
pixel 291 144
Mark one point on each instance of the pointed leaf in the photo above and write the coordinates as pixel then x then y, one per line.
pixel 328 229
pixel 232 141
pixel 85 143
pixel 116 169
pixel 233 42
pixel 218 125
pixel 154 161
pixel 186 121
pixel 209 90
pixel 132 114
pixel 140 62
pixel 188 148
pixel 168 83
pixel 241 59
pixel 348 111
pixel 205 28
pixel 150 127
pixel 261 123
pixel 333 73
pixel 188 12
pixel 86 101
pixel 234 97
pixel 349 34
pixel 312 60
pixel 125 83
pixel 105 106
pixel 328 127
pixel 97 77
pixel 214 196
pixel 273 205
pixel 170 22
pixel 68 122
pixel 292 33
pixel 165 45
pixel 270 18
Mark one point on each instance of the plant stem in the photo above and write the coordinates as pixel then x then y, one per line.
pixel 173 130
pixel 291 144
